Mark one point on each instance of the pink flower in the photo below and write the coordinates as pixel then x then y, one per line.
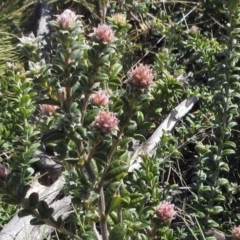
pixel 47 110
pixel 3 171
pixel 103 33
pixel 141 76
pixel 106 121
pixel 236 233
pixel 67 19
pixel 165 211
pixel 99 99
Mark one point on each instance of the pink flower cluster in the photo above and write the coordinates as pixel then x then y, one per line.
pixel 106 121
pixel 47 110
pixel 141 76
pixel 99 99
pixel 165 211
pixel 103 33
pixel 67 19
pixel 236 233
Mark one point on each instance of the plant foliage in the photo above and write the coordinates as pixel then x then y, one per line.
pixel 95 104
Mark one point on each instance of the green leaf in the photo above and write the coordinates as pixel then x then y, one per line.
pixel 132 125
pixel 201 214
pixel 49 212
pixel 101 77
pixel 53 135
pixel 24 213
pixel 33 199
pixel 136 198
pixel 22 190
pixel 43 209
pixel 227 152
pixel 205 189
pixel 114 217
pixel 82 131
pixel 125 157
pixel 92 217
pixel 59 221
pixel 139 137
pixel 229 144
pixel 74 136
pixel 140 116
pixel 36 221
pixel 113 204
pixel 126 200
pixel 33 160
pixel 219 198
pixel 112 190
pixel 10 200
pixel 100 156
pixel 113 83
pixel 224 167
pixel 33 147
pixel 125 102
pixel 90 116
pixel 222 181
pixel 118 232
pixel 117 170
pixel 216 210
pixel 29 172
pixel 124 142
pixel 76 200
pixel 73 227
pixel 116 68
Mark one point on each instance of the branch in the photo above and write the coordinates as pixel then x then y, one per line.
pixel 149 147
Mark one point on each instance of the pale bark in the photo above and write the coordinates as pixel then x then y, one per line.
pixel 20 228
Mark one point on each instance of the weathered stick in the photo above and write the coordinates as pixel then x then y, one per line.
pixel 20 228
pixel 149 147
pixel 42 27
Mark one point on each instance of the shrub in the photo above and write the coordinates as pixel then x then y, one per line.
pixel 102 89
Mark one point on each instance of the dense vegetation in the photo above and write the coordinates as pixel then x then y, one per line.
pixel 189 48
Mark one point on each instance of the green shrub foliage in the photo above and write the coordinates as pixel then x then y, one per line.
pixel 114 73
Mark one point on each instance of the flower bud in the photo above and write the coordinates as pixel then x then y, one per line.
pixel 103 33
pixel 99 99
pixel 236 233
pixel 67 19
pixel 141 76
pixel 165 211
pixel 30 41
pixel 106 121
pixel 119 19
pixel 9 65
pixel 46 109
pixel 61 95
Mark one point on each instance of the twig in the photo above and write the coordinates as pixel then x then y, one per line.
pixel 103 220
pixel 98 237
